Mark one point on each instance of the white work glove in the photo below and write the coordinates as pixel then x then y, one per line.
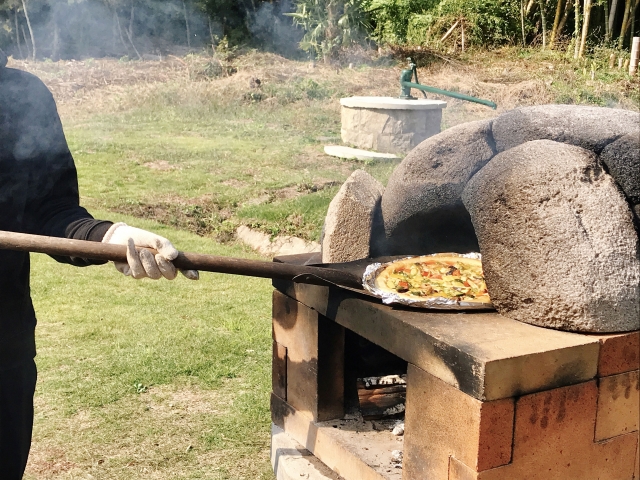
pixel 142 263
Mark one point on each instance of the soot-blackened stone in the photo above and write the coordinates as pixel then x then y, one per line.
pixel 557 239
pixel 591 128
pixel 421 210
pixel 622 159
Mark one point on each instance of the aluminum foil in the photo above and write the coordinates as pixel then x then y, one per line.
pixel 437 303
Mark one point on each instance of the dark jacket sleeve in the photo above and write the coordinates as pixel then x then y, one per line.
pixel 53 202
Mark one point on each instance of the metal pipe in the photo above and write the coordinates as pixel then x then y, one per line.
pixel 408 85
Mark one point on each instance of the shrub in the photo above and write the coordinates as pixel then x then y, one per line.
pixel 416 22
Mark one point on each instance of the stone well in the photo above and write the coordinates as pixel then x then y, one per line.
pixel 387 124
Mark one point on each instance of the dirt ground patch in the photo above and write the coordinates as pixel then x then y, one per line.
pixel 48 462
pixel 106 84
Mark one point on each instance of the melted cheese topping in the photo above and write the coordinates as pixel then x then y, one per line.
pixel 448 277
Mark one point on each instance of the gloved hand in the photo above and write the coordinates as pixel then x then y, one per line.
pixel 142 263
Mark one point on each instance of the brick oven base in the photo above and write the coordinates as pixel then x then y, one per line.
pixel 487 398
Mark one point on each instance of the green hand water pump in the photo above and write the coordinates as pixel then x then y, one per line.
pixel 406 84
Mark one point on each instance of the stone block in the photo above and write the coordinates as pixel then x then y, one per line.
pixel 557 238
pixel 591 128
pixel 622 158
pixel 421 207
pixel 384 142
pixel 619 353
pixel 442 422
pixel 315 358
pixel 553 440
pixel 347 227
pixel 359 139
pixel 618 405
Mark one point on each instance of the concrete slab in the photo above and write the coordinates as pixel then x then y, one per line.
pixel 356 153
pixel 484 354
pixel 291 461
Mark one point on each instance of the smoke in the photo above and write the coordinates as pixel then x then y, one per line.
pixel 116 28
pixel 272 30
pixel 96 28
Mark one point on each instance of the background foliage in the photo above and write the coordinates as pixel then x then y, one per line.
pixel 133 29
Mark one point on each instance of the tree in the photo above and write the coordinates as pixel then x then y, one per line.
pixel 630 7
pixel 543 20
pixel 565 17
pixel 556 22
pixel 585 27
pixel 33 38
pixel 612 16
pixel 576 32
pixel 186 22
pixel 329 25
pixel 607 31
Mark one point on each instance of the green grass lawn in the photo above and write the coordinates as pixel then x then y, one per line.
pixel 146 379
pixel 211 163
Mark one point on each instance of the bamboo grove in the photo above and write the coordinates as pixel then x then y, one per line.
pixel 135 28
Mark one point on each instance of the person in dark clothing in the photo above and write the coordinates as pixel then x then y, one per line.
pixel 39 195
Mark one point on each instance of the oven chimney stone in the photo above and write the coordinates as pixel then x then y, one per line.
pixel 556 234
pixel 348 224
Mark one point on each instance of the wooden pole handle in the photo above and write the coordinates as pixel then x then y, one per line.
pixel 185 260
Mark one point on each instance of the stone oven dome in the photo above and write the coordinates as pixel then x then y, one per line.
pixel 550 195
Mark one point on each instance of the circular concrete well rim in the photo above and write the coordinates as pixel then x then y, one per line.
pixel 391 103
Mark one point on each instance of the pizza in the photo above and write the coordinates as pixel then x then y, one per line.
pixel 435 276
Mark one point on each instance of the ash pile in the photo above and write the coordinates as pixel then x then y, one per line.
pixel 549 195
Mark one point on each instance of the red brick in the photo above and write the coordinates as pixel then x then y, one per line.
pixel 553 440
pixel 619 353
pixel 636 472
pixel 314 358
pixel 441 421
pixel 496 433
pixel 618 405
pixel 459 471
